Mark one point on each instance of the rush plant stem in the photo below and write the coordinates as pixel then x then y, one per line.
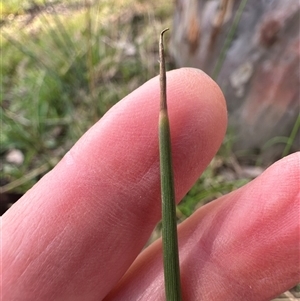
pixel 169 225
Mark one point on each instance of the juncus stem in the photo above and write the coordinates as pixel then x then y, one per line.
pixel 169 226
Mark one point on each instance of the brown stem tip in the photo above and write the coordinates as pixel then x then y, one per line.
pixel 162 72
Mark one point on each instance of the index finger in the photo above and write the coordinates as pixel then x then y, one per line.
pixel 75 233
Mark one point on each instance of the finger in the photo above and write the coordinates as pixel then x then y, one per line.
pixel 74 234
pixel 244 246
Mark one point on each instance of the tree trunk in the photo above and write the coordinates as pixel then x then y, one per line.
pixel 259 75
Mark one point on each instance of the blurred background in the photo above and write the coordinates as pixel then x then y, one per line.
pixel 65 63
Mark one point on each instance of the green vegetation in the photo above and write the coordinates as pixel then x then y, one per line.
pixel 62 68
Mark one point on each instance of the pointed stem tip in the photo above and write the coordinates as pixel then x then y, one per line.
pixel 162 33
pixel 163 80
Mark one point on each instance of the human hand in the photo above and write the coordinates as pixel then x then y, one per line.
pixel 77 231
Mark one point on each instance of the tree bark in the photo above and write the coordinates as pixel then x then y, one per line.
pixel 260 72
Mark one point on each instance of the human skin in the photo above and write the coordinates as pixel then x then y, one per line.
pixel 74 235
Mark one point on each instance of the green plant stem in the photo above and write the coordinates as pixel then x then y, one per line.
pixel 90 66
pixel 292 137
pixel 169 225
pixel 228 39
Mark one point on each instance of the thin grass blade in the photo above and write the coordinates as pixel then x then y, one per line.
pixel 169 225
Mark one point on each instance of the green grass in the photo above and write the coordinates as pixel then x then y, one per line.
pixel 61 72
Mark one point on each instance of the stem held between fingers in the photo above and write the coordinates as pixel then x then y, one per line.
pixel 169 225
